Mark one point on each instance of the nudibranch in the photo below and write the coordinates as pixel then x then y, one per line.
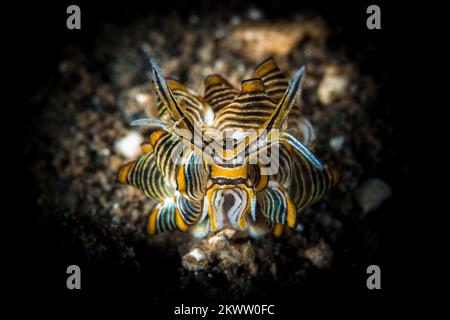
pixel 230 158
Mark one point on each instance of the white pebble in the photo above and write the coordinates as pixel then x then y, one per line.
pixel 142 98
pixel 331 88
pixel 372 193
pixel 197 254
pixel 130 145
pixel 336 143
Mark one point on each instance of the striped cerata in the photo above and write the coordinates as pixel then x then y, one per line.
pixel 230 158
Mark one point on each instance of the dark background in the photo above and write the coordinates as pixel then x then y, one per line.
pixel 36 44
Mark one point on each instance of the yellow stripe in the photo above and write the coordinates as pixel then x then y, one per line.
pixel 146 148
pixel 209 195
pixel 155 136
pixel 181 180
pixel 176 85
pixel 252 85
pixel 278 230
pixel 262 183
pixel 123 172
pixel 230 173
pixel 265 68
pixel 152 221
pixel 292 212
pixel 179 220
pixel 213 79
